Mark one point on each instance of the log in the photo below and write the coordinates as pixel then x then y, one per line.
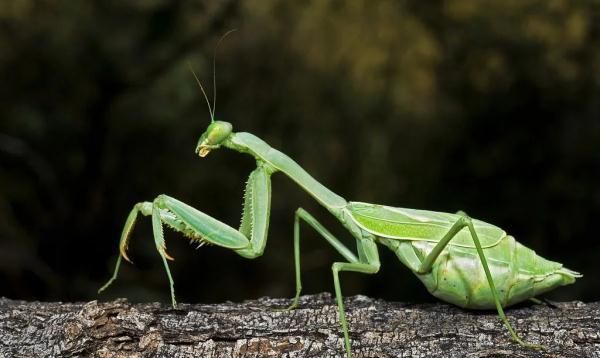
pixel 256 328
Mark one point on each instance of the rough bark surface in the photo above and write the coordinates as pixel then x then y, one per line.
pixel 256 329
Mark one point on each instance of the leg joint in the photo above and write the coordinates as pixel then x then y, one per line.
pixel 159 200
pixel 300 212
pixel 464 219
pixel 144 207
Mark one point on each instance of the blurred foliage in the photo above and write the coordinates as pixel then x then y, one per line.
pixel 492 107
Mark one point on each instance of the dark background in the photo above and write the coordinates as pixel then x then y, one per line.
pixel 492 108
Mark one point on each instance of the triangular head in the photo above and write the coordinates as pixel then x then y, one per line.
pixel 214 136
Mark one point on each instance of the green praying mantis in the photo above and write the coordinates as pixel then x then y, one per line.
pixel 463 261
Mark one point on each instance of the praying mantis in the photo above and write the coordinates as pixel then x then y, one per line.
pixel 460 260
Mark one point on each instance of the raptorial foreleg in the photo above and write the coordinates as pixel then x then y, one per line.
pixel 249 241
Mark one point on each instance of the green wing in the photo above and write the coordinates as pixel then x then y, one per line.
pixel 419 225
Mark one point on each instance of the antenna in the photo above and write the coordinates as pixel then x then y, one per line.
pixel 212 109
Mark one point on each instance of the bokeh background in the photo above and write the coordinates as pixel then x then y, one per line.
pixel 490 107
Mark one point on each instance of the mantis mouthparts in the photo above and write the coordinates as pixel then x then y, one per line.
pixel 203 151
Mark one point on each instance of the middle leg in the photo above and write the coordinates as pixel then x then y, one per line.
pixel 369 264
pixel 302 214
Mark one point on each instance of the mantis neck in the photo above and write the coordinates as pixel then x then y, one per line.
pixel 248 143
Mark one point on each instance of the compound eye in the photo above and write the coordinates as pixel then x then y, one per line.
pixel 217 132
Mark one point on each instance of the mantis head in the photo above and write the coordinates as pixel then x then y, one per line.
pixel 216 133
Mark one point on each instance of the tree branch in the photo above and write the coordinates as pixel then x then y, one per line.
pixel 255 329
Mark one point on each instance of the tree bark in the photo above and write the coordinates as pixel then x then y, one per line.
pixel 256 329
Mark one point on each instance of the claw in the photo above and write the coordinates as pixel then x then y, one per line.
pixel 163 252
pixel 123 251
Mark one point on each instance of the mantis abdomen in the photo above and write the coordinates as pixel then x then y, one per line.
pixel 457 276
